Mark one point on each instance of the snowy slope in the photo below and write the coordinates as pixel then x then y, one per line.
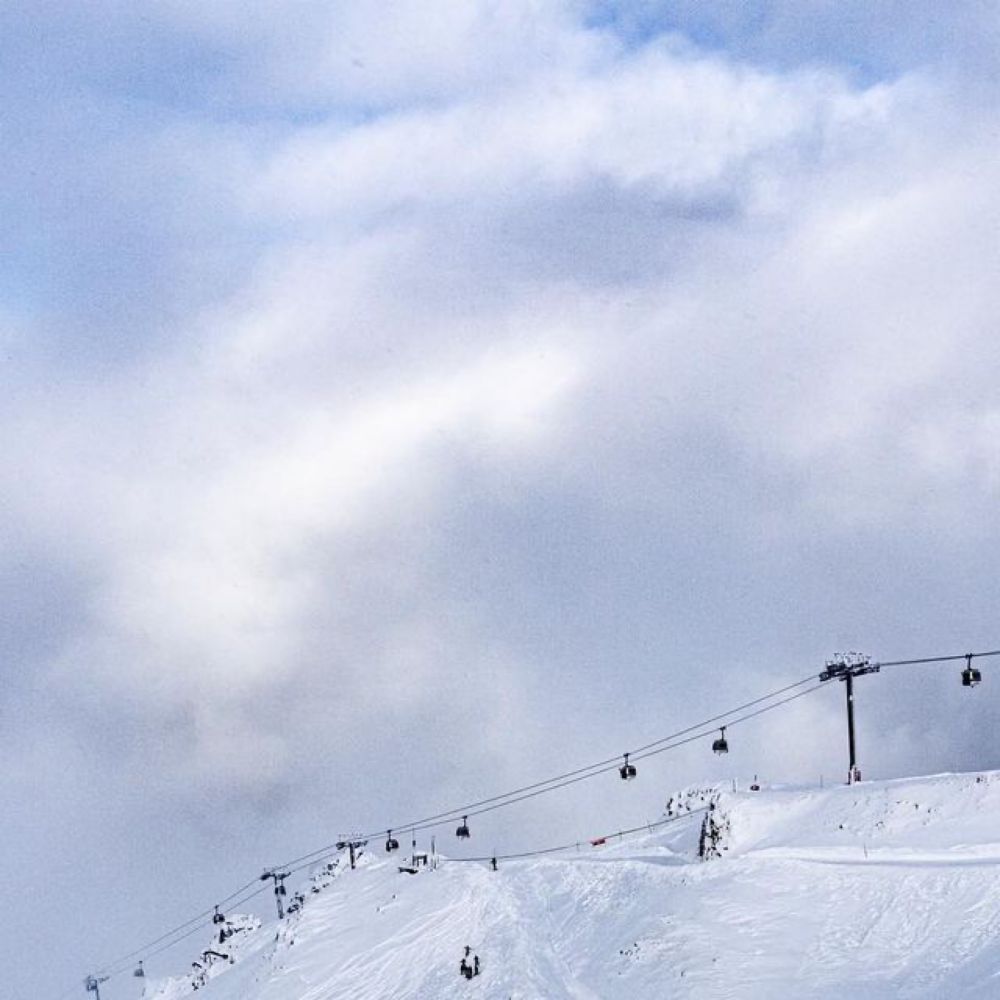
pixel 885 889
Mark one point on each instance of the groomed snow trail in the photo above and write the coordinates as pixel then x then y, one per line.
pixel 880 890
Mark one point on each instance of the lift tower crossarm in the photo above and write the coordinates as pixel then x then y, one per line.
pixel 846 668
pixel 853 665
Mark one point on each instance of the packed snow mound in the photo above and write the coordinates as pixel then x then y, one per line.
pixel 232 939
pixel 952 814
pixel 879 890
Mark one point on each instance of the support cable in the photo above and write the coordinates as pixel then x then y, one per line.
pixel 604 769
pixel 541 787
pixel 198 921
pixel 576 843
pixel 936 659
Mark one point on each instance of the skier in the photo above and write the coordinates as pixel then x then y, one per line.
pixel 475 961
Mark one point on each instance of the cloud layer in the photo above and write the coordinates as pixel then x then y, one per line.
pixel 403 402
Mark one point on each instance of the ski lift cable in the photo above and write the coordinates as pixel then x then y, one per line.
pixel 649 753
pixel 936 659
pixel 660 822
pixel 194 930
pixel 590 770
pixel 599 767
pixel 576 843
pixel 614 763
pixel 604 769
pixel 723 715
pixel 735 722
pixel 512 857
pixel 113 968
pixel 444 818
pixel 123 966
pixel 547 784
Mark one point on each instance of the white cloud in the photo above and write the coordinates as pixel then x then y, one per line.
pixel 207 539
pixel 399 52
pixel 228 497
pixel 656 117
pixel 502 371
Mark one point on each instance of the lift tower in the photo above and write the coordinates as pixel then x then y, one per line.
pixel 279 888
pixel 846 667
pixel 92 984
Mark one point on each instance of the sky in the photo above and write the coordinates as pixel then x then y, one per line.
pixel 406 401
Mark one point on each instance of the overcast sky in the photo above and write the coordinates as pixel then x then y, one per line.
pixel 405 401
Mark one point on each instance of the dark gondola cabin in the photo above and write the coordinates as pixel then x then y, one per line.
pixel 971 677
pixel 391 844
pixel 720 745
pixel 463 830
pixel 627 770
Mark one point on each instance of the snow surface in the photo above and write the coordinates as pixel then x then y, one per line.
pixel 878 890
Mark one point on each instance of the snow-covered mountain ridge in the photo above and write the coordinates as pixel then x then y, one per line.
pixel 883 889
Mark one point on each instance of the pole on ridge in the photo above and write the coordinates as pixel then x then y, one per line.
pixel 279 888
pixel 845 668
pixel 92 984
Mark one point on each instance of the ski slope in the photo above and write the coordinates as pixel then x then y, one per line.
pixel 884 889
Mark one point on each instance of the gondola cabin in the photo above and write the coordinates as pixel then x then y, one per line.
pixel 971 677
